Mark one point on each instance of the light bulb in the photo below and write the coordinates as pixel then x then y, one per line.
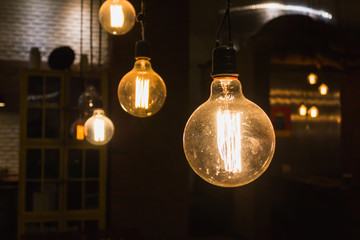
pixel 142 91
pixel 312 78
pixel 302 110
pixel 117 17
pixel 99 129
pixel 77 130
pixel 323 89
pixel 313 112
pixel 228 141
pixel 89 100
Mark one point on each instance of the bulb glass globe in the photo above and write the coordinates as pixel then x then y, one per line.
pixel 228 141
pixel 323 89
pixel 89 100
pixel 99 129
pixel 313 112
pixel 312 78
pixel 302 110
pixel 117 17
pixel 142 91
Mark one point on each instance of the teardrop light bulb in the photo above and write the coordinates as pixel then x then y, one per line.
pixel 323 89
pixel 117 17
pixel 99 129
pixel 313 112
pixel 229 141
pixel 312 78
pixel 302 110
pixel 142 91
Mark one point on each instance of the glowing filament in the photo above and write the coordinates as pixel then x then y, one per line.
pixel 302 110
pixel 313 112
pixel 99 130
pixel 117 16
pixel 323 89
pixel 229 139
pixel 142 93
pixel 80 132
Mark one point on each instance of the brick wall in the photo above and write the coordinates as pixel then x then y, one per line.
pixel 47 24
pixel 9 142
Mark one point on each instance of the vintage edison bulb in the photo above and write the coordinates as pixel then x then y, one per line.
pixel 142 91
pixel 312 78
pixel 89 100
pixel 323 89
pixel 313 112
pixel 99 129
pixel 302 110
pixel 117 17
pixel 228 141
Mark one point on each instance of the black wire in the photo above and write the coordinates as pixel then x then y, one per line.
pixel 99 57
pixel 91 34
pixel 81 34
pixel 141 19
pixel 226 17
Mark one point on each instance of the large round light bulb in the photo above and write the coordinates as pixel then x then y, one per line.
pixel 117 17
pixel 142 91
pixel 99 129
pixel 229 141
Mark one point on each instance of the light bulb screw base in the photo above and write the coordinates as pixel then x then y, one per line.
pixel 224 60
pixel 142 49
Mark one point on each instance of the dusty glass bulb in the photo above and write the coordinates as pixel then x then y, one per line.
pixel 89 100
pixel 302 110
pixel 312 78
pixel 228 141
pixel 99 129
pixel 117 17
pixel 142 91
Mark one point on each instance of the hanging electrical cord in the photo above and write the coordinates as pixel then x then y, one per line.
pixel 91 34
pixel 100 39
pixel 81 36
pixel 141 18
pixel 226 17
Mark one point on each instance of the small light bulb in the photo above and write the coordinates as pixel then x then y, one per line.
pixel 302 110
pixel 117 17
pixel 99 129
pixel 142 92
pixel 323 89
pixel 228 141
pixel 89 100
pixel 312 78
pixel 77 129
pixel 313 112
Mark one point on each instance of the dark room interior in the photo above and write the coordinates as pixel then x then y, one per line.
pixel 298 60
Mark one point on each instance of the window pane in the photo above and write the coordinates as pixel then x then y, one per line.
pixel 52 91
pixel 35 90
pixel 51 163
pixel 75 163
pixel 33 196
pixel 33 163
pixel 91 195
pixel 92 163
pixel 52 123
pixel 91 225
pixel 34 123
pixel 74 195
pixel 51 226
pixel 76 89
pixel 32 227
pixel 73 226
pixel 51 197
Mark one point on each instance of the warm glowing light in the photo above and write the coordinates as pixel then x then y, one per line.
pixel 229 139
pixel 313 112
pixel 323 89
pixel 302 110
pixel 99 131
pixel 117 16
pixel 142 93
pixel 312 78
pixel 80 132
pixel 2 104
